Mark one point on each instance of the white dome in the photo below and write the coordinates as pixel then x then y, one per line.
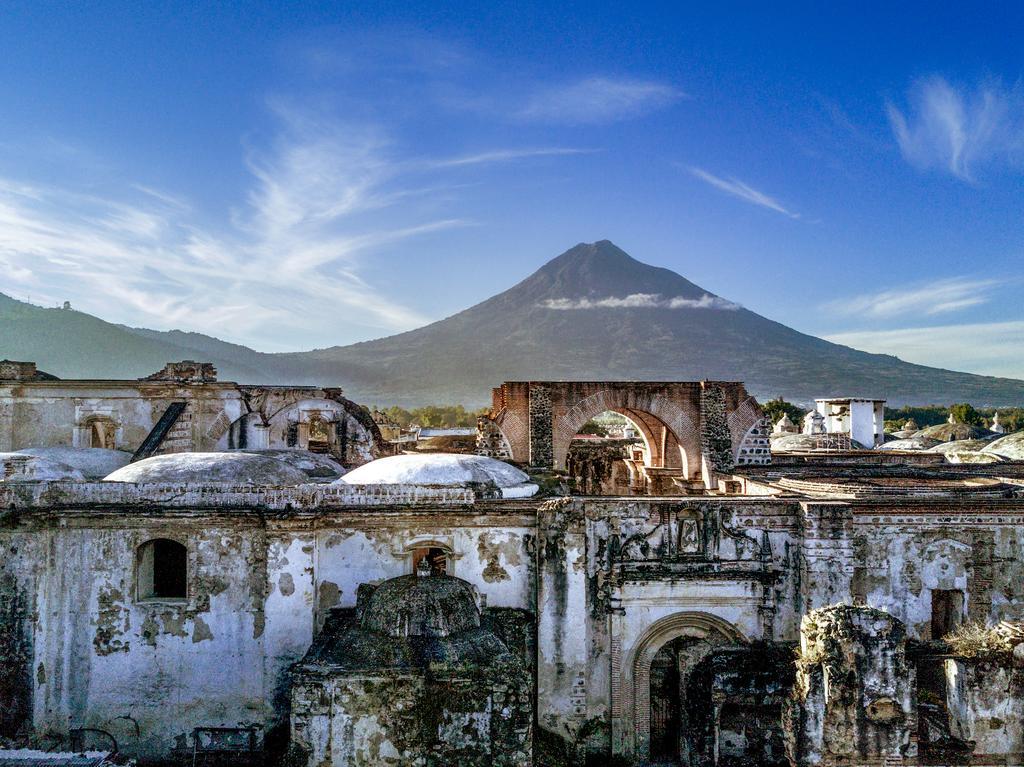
pixel 446 470
pixel 1011 446
pixel 93 462
pixel 19 467
pixel 203 468
pixel 913 443
pixel 316 466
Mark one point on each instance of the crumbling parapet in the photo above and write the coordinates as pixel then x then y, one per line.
pixel 853 698
pixel 985 691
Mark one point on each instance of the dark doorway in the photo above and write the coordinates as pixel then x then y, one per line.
pixel 666 706
pixel 947 609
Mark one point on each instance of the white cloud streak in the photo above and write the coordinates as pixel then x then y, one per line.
pixel 597 100
pixel 640 301
pixel 743 191
pixel 938 297
pixel 958 130
pixel 994 348
pixel 291 259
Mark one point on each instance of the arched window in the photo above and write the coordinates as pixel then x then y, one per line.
pixel 102 432
pixel 436 556
pixel 162 568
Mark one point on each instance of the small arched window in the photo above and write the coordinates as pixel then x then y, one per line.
pixel 162 567
pixel 435 556
pixel 102 432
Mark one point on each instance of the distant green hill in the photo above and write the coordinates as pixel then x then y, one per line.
pixel 558 323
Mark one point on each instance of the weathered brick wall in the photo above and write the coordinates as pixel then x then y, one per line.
pixel 715 437
pixel 541 427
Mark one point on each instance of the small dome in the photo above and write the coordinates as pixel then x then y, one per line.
pixel 316 466
pixel 202 468
pixel 20 467
pixel 959 446
pixel 1011 446
pixel 802 443
pixel 93 462
pixel 913 443
pixel 422 605
pixel 445 470
pixel 949 432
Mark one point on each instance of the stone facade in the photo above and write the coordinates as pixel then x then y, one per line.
pixel 122 415
pixel 579 627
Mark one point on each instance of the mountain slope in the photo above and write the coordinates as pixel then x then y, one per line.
pixel 516 334
pixel 592 313
pixel 73 344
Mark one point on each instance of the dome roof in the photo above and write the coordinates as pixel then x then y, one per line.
pixel 913 443
pixel 802 443
pixel 421 605
pixel 200 468
pixel 959 446
pixel 1011 446
pixel 949 432
pixel 409 623
pixel 20 467
pixel 445 470
pixel 316 466
pixel 93 462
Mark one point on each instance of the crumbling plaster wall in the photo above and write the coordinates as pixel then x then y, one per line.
pixel 496 554
pixel 45 414
pixel 150 670
pixel 608 573
pixel 986 704
pixel 900 560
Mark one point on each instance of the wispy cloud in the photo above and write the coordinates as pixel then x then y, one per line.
pixel 743 191
pixel 640 301
pixel 993 348
pixel 937 297
pixel 295 250
pixel 506 155
pixel 597 100
pixel 959 130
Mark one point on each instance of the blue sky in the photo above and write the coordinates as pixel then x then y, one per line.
pixel 298 175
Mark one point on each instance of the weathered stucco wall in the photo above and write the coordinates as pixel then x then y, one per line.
pixel 986 705
pixel 900 560
pixel 148 671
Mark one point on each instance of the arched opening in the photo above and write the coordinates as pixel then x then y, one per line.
pixel 101 432
pixel 681 708
pixel 162 569
pixel 604 455
pixel 435 556
pixel 662 709
pixel 671 440
pixel 623 451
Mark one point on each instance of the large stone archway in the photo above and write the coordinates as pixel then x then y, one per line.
pixel 689 425
pixel 631 702
pixel 651 412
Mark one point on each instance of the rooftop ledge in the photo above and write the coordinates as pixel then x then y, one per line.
pixel 50 495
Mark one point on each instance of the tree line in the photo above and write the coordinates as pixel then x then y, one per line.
pixel 1012 418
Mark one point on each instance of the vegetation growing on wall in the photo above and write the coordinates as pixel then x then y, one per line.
pixel 976 640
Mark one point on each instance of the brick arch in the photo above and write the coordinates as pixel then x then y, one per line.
pixel 516 435
pixel 742 420
pixel 675 419
pixel 636 671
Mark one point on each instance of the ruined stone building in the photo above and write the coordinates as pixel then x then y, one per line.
pixel 733 607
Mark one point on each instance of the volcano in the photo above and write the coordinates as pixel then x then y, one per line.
pixel 596 313
pixel 592 313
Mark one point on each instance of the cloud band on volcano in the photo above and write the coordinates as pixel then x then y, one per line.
pixel 640 301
